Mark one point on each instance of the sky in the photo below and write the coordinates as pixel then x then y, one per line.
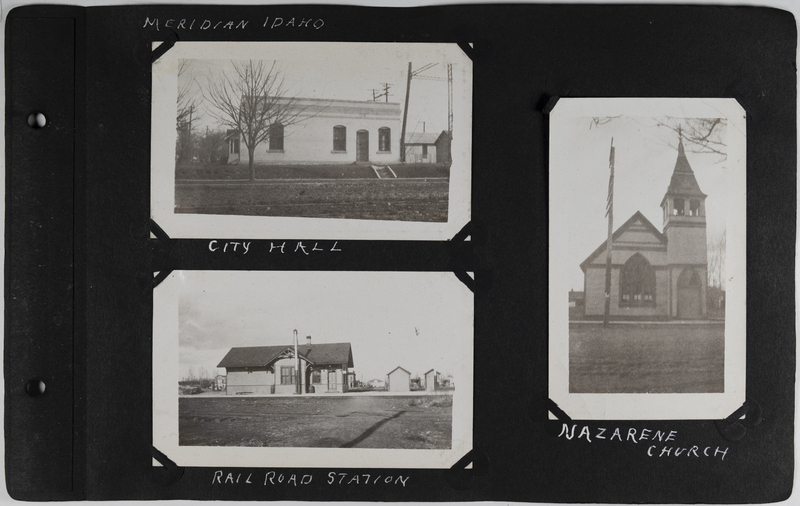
pixel 348 78
pixel 416 320
pixel 645 156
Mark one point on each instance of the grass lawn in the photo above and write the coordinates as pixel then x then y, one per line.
pixel 317 422
pixel 646 358
pixel 339 171
pixel 417 200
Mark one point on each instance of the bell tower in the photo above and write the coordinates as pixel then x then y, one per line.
pixel 684 210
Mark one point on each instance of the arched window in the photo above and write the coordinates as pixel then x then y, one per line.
pixel 316 377
pixel 384 139
pixel 637 282
pixel 276 137
pixel 339 138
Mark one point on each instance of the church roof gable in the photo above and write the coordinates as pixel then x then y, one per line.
pixel 637 223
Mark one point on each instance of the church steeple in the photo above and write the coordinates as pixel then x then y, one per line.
pixel 684 202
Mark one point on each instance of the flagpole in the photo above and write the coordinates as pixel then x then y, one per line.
pixel 610 214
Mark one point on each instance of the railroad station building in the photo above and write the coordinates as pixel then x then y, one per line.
pixel 655 275
pixel 324 368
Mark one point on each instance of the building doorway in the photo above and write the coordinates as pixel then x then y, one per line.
pixel 331 381
pixel 362 146
pixel 689 297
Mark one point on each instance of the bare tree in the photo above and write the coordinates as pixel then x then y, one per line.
pixel 252 100
pixel 188 97
pixel 699 135
pixel 716 261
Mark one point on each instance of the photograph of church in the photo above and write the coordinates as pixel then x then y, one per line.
pixel 647 253
pixel 656 274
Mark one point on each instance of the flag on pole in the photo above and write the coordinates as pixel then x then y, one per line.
pixel 610 199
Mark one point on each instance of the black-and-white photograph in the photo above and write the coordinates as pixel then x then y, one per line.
pixel 335 131
pixel 331 361
pixel 647 201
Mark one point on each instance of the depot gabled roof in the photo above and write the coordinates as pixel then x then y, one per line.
pixel 262 356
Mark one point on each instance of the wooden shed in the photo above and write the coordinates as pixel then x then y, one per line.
pixel 399 380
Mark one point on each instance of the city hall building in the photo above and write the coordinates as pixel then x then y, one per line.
pixel 655 275
pixel 327 132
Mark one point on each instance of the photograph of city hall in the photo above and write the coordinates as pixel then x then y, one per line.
pixel 652 319
pixel 358 131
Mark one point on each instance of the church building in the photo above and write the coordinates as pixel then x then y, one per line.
pixel 655 275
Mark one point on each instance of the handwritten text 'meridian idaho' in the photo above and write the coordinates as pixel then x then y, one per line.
pixel 632 435
pixel 238 24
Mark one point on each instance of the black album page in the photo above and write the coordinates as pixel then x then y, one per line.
pixel 530 253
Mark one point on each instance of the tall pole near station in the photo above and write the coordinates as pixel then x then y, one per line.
pixel 296 366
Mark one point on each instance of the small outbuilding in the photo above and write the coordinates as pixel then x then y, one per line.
pixel 399 380
pixel 431 381
pixel 376 383
pixel 427 147
pixel 219 382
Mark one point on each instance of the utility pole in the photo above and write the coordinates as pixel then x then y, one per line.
pixel 405 115
pixel 384 93
pixel 189 136
pixel 450 99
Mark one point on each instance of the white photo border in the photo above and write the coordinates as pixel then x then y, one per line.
pixel 206 226
pixel 658 406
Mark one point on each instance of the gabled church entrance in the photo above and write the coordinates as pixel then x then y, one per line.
pixel 689 298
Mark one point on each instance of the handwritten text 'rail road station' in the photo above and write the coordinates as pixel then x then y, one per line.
pixel 649 435
pixel 243 247
pixel 214 24
pixel 332 478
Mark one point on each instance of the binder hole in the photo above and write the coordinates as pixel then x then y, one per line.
pixel 34 387
pixel 37 120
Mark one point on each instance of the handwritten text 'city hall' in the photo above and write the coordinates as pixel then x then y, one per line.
pixel 243 247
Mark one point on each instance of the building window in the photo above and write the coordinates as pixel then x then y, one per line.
pixel 637 282
pixel 276 137
pixel 339 138
pixel 384 139
pixel 678 207
pixel 424 150
pixel 694 207
pixel 287 375
pixel 316 377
